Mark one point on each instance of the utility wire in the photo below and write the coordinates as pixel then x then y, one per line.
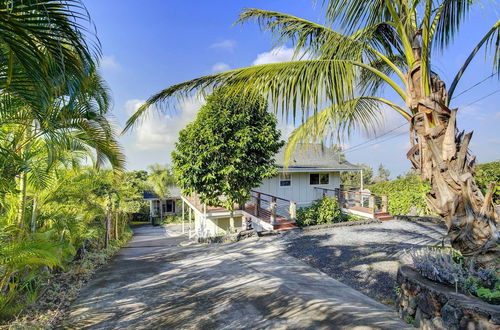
pixel 375 138
pixel 476 84
pixel 361 146
pixel 482 98
pixel 376 142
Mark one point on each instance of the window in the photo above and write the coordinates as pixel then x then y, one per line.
pixel 285 180
pixel 319 178
pixel 170 206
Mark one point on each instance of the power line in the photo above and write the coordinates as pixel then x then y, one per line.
pixel 375 138
pixel 482 98
pixel 471 87
pixel 361 146
pixel 376 142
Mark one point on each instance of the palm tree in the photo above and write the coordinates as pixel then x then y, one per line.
pixel 160 179
pixel 382 44
pixel 37 33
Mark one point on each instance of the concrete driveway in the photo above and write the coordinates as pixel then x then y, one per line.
pixel 254 284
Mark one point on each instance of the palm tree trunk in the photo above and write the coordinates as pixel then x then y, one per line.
pixel 440 152
pixel 33 215
pixel 21 210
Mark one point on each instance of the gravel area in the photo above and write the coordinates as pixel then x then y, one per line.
pixel 365 257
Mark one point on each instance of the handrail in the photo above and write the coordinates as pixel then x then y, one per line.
pixel 349 191
pixel 358 198
pixel 272 196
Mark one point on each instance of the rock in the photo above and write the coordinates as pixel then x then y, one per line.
pixel 451 316
pixel 418 318
pixel 412 306
pixel 428 304
pixel 469 322
pixel 438 323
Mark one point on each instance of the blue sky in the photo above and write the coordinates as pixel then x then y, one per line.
pixel 150 45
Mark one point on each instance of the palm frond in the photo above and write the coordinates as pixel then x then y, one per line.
pixel 336 123
pixel 492 41
pixel 448 18
pixel 289 85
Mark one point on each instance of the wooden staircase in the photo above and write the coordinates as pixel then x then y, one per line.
pixel 280 223
pixel 278 212
pixel 383 216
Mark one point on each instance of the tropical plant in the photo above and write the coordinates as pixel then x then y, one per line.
pixel 383 44
pixel 228 150
pixel 352 179
pixel 160 180
pixel 487 173
pixel 407 195
pixel 53 120
pixel 382 174
pixel 325 211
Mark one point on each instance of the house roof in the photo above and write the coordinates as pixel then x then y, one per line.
pixel 173 192
pixel 312 157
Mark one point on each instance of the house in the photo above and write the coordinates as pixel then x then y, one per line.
pixel 312 172
pixel 160 207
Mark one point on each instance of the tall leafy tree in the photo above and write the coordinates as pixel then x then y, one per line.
pixel 381 44
pixel 228 150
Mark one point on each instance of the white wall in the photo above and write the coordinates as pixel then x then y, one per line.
pixel 300 191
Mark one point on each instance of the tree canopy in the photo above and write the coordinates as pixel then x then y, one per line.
pixel 227 150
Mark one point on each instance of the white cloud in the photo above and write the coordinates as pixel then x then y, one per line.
pixel 227 45
pixel 276 55
pixel 158 130
pixel 109 63
pixel 220 67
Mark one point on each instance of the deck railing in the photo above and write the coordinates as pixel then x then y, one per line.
pixel 272 207
pixel 355 198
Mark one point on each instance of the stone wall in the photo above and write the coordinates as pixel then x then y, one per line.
pixel 430 305
pixel 229 238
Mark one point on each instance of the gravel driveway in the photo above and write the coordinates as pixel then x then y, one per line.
pixel 365 257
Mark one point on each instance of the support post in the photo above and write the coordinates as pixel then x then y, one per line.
pixel 257 204
pixel 371 202
pixel 385 203
pixel 190 225
pixel 293 211
pixel 272 210
pixel 357 198
pixel 183 216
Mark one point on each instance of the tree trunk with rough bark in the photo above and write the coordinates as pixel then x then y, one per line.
pixel 440 153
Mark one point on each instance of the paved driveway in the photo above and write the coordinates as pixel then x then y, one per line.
pixel 254 284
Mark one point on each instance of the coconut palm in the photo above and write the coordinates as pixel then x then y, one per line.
pixel 160 179
pixel 340 76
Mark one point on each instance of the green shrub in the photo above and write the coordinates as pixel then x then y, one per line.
pixel 327 210
pixel 406 195
pixel 487 173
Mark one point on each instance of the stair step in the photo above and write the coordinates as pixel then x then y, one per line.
pixel 385 217
pixel 381 214
pixel 285 226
